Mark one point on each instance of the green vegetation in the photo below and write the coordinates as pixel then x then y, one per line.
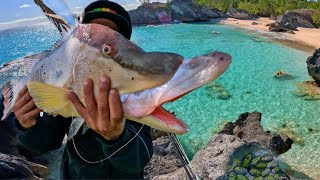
pixel 265 7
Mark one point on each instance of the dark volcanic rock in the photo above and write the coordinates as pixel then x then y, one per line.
pixel 13 163
pixel 297 18
pixel 188 11
pixel 291 20
pixel 177 10
pixel 313 64
pixel 248 128
pixel 239 14
pixel 13 167
pixel 276 27
pixel 165 159
pixel 155 13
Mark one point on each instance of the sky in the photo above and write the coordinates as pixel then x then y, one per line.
pixel 17 11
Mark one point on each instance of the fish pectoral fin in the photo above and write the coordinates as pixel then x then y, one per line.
pixel 52 100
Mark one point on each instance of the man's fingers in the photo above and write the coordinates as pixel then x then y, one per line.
pixel 103 104
pixel 29 119
pixel 78 105
pixel 22 92
pixel 116 112
pixel 25 99
pixel 25 109
pixel 91 105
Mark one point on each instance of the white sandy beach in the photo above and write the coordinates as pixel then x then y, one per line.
pixel 305 36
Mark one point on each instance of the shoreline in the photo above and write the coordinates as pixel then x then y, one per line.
pixel 305 39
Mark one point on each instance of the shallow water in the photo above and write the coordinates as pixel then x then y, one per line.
pixel 247 86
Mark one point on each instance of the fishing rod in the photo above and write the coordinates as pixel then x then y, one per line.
pixel 183 157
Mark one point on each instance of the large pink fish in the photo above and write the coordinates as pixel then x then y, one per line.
pixel 145 80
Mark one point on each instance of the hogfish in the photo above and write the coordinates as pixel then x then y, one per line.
pixel 145 80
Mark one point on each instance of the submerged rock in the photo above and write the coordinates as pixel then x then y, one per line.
pixel 313 64
pixel 282 75
pixel 216 90
pixel 308 90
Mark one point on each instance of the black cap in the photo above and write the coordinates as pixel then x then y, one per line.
pixel 112 11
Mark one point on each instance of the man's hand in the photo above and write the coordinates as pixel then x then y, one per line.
pixel 25 110
pixel 104 117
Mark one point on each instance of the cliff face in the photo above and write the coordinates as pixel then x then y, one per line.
pixel 176 11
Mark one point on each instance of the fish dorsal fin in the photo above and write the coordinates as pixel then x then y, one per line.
pixel 52 100
pixel 59 13
pixel 57 44
pixel 19 67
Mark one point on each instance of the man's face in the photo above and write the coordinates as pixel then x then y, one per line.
pixel 106 22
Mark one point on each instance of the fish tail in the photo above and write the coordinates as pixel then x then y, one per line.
pixel 10 91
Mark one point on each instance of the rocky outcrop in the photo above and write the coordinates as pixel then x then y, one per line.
pixel 15 160
pixel 297 18
pixel 248 128
pixel 291 20
pixel 313 64
pixel 175 11
pixel 188 11
pixel 13 167
pixel 239 14
pixel 211 162
pixel 227 154
pixel 276 27
pixel 154 13
pixel 165 159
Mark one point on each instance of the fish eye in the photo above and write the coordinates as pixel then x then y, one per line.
pixel 106 49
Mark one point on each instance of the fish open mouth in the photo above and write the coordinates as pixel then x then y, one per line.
pixel 146 106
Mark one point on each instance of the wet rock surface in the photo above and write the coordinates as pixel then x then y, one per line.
pixel 248 128
pixel 313 64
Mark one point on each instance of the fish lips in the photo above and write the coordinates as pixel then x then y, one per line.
pixel 146 106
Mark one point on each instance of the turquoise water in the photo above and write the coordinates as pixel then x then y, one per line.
pixel 247 86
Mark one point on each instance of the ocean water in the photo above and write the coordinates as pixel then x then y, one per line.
pixel 248 85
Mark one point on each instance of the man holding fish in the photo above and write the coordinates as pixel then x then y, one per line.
pixel 69 81
pixel 109 131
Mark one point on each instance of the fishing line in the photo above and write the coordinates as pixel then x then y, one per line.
pixel 95 162
pixel 183 157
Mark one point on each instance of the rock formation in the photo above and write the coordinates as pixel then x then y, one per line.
pixel 239 14
pixel 248 128
pixel 282 75
pixel 175 11
pixel 291 20
pixel 313 64
pixel 226 152
pixel 15 160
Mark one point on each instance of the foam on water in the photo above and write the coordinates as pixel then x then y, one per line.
pixel 247 86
